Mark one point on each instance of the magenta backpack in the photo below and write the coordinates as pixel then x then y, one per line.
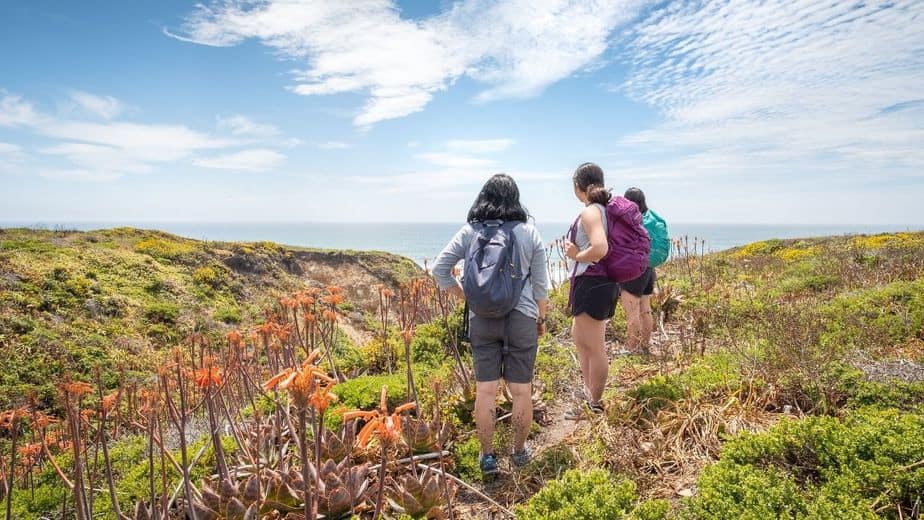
pixel 628 243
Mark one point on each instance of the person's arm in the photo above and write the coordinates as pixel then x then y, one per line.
pixel 447 260
pixel 592 222
pixel 543 311
pixel 539 276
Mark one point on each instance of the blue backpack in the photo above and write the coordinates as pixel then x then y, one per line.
pixel 493 273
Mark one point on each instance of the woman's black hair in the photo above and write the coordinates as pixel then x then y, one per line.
pixel 499 199
pixel 638 197
pixel 589 178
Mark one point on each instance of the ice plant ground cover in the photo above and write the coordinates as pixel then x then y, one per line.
pixel 148 376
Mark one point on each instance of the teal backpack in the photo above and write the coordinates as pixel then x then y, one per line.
pixel 660 241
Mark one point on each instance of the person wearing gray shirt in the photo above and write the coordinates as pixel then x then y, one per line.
pixel 499 200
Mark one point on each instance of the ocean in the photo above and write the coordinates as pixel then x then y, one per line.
pixel 423 241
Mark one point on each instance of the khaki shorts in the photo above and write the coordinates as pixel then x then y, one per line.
pixel 493 360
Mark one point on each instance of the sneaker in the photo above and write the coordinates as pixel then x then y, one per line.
pixel 488 465
pixel 580 411
pixel 522 457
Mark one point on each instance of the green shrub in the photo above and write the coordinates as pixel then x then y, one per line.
pixel 207 276
pixel 714 373
pixel 162 312
pixel 745 492
pixel 819 467
pixel 230 315
pixel 155 286
pixel 465 455
pixel 657 393
pixel 427 347
pixel 902 395
pixel 577 495
pixel 363 392
pixel 809 283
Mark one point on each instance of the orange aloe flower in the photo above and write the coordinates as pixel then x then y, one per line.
pixel 306 302
pixel 109 401
pixel 301 381
pixel 379 423
pixel 30 451
pixel 235 338
pixel 266 330
pixel 283 332
pixel 77 388
pixel 333 289
pixel 333 299
pixel 321 398
pixel 330 316
pixel 208 376
pixel 42 421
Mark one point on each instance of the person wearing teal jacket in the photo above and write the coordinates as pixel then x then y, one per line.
pixel 636 298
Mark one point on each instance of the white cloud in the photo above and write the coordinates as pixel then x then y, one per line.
pixel 516 48
pixel 334 145
pixel 480 146
pixel 100 151
pixel 105 107
pixel 239 125
pixel 14 111
pixel 11 156
pixel 143 141
pixel 256 160
pixel 778 88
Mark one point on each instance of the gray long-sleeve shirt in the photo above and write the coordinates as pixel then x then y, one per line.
pixel 532 253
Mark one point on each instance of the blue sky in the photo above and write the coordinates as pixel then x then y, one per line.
pixel 737 112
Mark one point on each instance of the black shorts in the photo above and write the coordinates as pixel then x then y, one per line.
pixel 641 286
pixel 514 363
pixel 594 295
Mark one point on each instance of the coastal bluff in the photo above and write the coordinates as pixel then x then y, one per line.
pixel 74 300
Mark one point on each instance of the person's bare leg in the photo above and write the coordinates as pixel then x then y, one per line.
pixel 589 333
pixel 581 350
pixel 485 404
pixel 522 412
pixel 646 323
pixel 630 304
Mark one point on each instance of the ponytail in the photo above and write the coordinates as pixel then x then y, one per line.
pixel 597 194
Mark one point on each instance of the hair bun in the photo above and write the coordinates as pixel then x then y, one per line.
pixel 597 194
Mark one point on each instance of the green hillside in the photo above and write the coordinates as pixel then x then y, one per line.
pixel 72 301
pixel 786 380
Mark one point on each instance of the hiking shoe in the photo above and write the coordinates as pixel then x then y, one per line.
pixel 580 411
pixel 522 457
pixel 488 465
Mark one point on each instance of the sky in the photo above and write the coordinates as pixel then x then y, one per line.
pixel 743 111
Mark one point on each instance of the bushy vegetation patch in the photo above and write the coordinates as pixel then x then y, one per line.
pixel 594 495
pixel 866 466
